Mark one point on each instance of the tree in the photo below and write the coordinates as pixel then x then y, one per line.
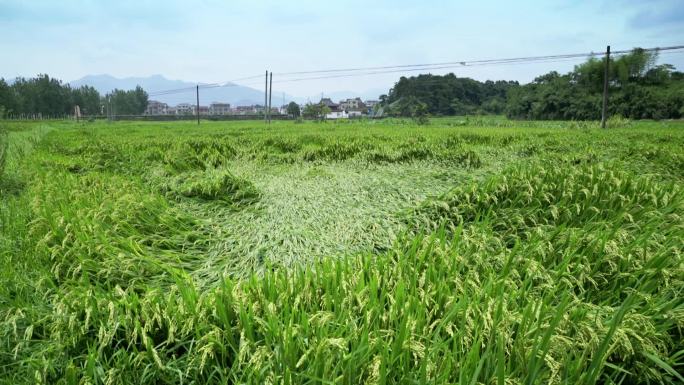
pixel 383 100
pixel 421 115
pixel 131 102
pixel 639 89
pixel 7 99
pixel 43 95
pixel 88 100
pixel 406 106
pixel 447 95
pixel 293 110
pixel 316 111
pixel 49 96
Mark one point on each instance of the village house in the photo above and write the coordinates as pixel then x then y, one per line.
pixel 352 104
pixel 335 111
pixel 246 110
pixel 185 109
pixel 156 108
pixel 216 108
pixel 353 107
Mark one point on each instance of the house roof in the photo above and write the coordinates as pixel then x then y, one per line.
pixel 328 102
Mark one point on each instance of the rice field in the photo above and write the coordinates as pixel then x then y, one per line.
pixel 467 251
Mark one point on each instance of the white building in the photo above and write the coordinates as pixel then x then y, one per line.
pixel 353 107
pixel 335 111
pixel 185 109
pixel 247 110
pixel 216 108
pixel 355 104
pixel 156 108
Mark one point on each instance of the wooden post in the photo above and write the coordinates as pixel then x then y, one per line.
pixel 266 98
pixel 198 109
pixel 270 93
pixel 605 89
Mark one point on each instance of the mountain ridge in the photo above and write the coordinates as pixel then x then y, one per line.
pixel 235 94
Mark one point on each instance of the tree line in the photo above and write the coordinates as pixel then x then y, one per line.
pixel 49 96
pixel 639 88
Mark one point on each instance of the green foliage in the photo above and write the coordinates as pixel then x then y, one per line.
pixel 447 95
pixel 412 107
pixel 211 185
pixel 293 110
pixel 316 111
pixel 639 89
pixel 41 94
pixel 50 97
pixel 7 99
pixel 88 100
pixel 468 251
pixel 617 121
pixel 421 115
pixel 131 102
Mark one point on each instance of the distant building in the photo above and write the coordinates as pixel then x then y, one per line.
pixel 156 108
pixel 203 110
pixel 185 109
pixel 354 107
pixel 355 104
pixel 335 111
pixel 371 103
pixel 219 108
pixel 247 110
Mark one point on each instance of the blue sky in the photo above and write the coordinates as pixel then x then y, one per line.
pixel 212 41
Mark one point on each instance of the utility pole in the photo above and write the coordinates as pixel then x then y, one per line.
pixel 605 88
pixel 270 94
pixel 198 111
pixel 266 98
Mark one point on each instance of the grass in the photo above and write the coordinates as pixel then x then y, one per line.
pixel 469 251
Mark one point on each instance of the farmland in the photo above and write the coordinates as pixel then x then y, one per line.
pixel 469 250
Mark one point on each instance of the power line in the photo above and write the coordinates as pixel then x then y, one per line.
pixel 471 62
pixel 366 71
pixel 412 69
pixel 460 65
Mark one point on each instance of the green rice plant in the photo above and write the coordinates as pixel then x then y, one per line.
pixel 283 144
pixel 108 229
pixel 618 121
pixel 337 151
pixel 3 150
pixel 378 252
pixel 219 185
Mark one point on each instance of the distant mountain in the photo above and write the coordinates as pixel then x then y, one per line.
pixel 234 94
